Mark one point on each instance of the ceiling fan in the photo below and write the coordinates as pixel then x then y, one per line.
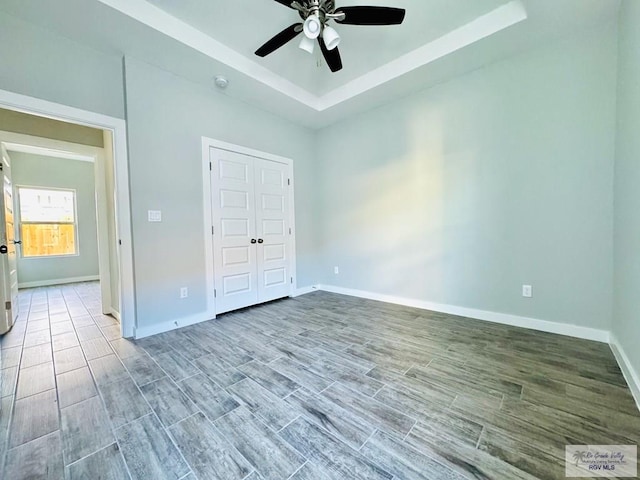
pixel 316 15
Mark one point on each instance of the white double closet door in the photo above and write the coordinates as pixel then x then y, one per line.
pixel 251 229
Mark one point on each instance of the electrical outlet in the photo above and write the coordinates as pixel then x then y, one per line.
pixel 154 215
pixel 184 292
pixel 527 291
pixel 336 270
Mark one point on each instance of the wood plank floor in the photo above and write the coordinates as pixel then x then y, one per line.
pixel 318 387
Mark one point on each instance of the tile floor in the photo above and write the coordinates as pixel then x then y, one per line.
pixel 319 387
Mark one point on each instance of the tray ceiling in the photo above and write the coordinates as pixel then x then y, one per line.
pixel 199 39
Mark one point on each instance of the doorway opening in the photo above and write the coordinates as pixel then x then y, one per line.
pixel 65 207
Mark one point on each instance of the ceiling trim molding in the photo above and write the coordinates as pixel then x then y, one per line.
pixel 482 27
pixel 156 18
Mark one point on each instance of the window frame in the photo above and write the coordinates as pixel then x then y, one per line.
pixel 19 223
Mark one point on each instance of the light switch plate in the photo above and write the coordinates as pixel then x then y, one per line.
pixel 155 216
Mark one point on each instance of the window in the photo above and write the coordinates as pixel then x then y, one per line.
pixel 47 222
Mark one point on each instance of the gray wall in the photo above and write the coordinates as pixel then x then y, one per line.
pixel 38 171
pixel 41 64
pixel 626 325
pixel 464 192
pixel 166 118
pixel 457 195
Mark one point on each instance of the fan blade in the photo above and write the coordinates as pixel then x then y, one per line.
pixel 279 40
pixel 331 56
pixel 371 15
pixel 286 3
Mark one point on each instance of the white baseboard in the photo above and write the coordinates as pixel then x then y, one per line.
pixel 58 281
pixel 141 332
pixel 194 319
pixel 115 314
pixel 629 372
pixel 496 317
pixel 304 290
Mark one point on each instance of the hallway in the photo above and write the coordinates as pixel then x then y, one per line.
pixel 58 330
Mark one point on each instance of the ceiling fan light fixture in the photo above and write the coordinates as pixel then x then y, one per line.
pixel 312 27
pixel 315 15
pixel 307 44
pixel 331 38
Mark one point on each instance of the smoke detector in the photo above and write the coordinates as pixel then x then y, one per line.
pixel 221 82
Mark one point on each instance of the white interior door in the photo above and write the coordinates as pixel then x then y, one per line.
pixel 7 238
pixel 232 195
pixel 272 225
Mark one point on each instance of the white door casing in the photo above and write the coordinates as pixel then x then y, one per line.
pixel 258 207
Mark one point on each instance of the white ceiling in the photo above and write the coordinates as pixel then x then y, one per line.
pixel 244 25
pixel 198 39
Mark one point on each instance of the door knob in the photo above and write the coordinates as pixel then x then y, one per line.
pixel 3 249
pixel 253 240
pixel 260 240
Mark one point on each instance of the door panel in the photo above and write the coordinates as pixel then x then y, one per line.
pixel 9 272
pixel 235 227
pixel 232 194
pixel 273 203
pixel 272 220
pixel 236 255
pixel 231 170
pixel 274 253
pixel 233 199
pixel 11 255
pixel 273 227
pixel 235 284
pixel 275 277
